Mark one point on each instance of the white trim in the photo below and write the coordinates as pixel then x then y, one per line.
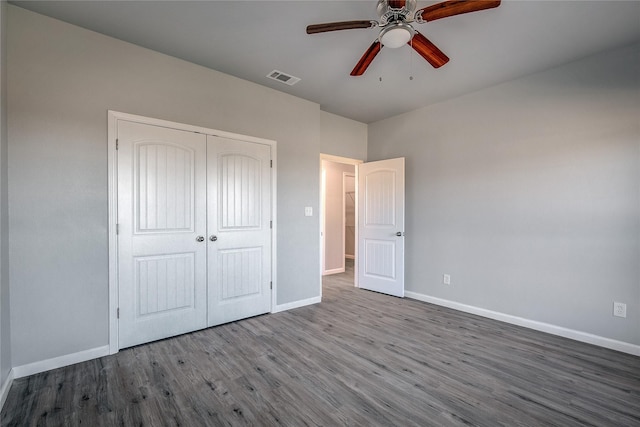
pixel 349 256
pixel 60 361
pixel 297 304
pixel 334 271
pixel 338 159
pixel 323 186
pixel 112 170
pixel 343 231
pixel 189 128
pixel 274 229
pixel 532 324
pixel 356 237
pixel 6 386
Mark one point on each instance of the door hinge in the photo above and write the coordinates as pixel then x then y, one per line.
pixel 118 312
pixel 271 163
pixel 271 224
pixel 117 143
pixel 117 229
pixel 270 285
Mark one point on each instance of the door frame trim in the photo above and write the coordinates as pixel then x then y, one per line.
pixel 112 182
pixel 344 214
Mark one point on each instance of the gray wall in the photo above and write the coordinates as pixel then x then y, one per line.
pixel 5 332
pixel 342 137
pixel 62 81
pixel 528 194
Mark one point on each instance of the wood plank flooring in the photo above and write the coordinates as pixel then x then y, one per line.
pixel 358 358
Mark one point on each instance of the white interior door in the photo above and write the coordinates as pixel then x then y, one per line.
pixel 239 236
pixel 161 222
pixel 381 226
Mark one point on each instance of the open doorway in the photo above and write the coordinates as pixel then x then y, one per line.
pixel 338 225
pixel 379 224
pixel 349 181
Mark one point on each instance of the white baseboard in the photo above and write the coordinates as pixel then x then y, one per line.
pixel 532 324
pixel 333 271
pixel 296 304
pixel 94 353
pixel 6 386
pixel 347 256
pixel 59 362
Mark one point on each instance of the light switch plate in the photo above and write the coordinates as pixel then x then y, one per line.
pixel 308 211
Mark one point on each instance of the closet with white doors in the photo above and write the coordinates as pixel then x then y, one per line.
pixel 194 236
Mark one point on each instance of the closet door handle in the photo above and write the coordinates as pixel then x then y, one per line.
pixel 213 238
pixel 199 239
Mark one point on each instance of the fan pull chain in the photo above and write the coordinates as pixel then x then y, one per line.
pixel 411 61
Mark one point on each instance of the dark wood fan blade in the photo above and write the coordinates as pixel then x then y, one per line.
pixel 366 59
pixel 428 50
pixel 454 7
pixel 336 26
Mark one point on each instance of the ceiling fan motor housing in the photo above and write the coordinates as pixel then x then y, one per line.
pixel 395 16
pixel 395 10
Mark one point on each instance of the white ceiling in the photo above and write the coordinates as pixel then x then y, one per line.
pixel 249 39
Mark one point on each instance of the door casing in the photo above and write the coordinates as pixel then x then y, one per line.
pixel 112 169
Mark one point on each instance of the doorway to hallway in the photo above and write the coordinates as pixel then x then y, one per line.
pixel 379 222
pixel 338 225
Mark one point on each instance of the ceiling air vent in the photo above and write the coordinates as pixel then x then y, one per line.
pixel 283 78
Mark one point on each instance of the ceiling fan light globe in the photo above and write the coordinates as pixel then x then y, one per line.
pixel 395 36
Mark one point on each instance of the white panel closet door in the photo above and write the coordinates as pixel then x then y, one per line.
pixel 161 215
pixel 239 237
pixel 381 226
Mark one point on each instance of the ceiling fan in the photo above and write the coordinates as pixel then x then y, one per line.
pixel 396 17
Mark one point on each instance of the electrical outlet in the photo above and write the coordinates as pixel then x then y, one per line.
pixel 446 279
pixel 619 309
